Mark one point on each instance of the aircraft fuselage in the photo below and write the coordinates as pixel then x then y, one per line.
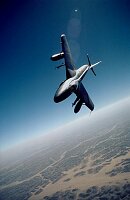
pixel 69 86
pixel 74 77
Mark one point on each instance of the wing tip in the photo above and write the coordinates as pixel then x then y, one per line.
pixel 63 35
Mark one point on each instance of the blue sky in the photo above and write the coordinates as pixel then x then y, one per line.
pixel 30 34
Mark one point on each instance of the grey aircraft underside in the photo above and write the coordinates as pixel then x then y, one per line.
pixel 74 76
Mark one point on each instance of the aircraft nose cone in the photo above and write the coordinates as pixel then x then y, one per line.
pixel 57 96
pixel 56 99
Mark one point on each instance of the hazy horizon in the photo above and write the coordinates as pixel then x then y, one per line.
pixel 90 117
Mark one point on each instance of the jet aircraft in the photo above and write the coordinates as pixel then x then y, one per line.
pixel 74 77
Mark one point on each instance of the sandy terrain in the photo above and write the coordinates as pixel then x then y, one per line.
pixel 87 180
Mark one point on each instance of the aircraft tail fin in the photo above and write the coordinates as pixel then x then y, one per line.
pixel 91 66
pixel 87 68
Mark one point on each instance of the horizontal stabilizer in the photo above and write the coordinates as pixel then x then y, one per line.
pixel 91 66
pixel 93 71
pixel 89 63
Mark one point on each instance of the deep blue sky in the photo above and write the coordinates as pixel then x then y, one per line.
pixel 30 33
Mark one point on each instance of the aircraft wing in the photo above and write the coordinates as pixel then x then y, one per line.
pixel 84 97
pixel 70 67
